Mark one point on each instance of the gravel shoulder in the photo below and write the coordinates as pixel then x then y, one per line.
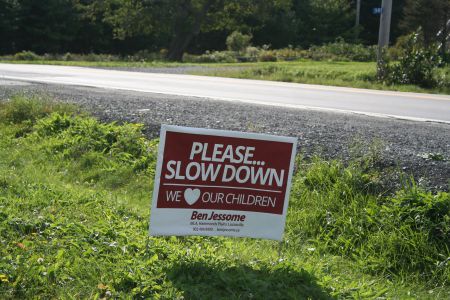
pixel 420 149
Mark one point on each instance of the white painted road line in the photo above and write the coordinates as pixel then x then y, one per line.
pixel 410 106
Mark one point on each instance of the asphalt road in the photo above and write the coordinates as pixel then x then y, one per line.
pixel 418 149
pixel 410 106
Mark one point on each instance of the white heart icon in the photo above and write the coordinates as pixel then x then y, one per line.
pixel 191 195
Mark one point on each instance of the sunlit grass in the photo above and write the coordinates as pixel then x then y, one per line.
pixel 74 211
pixel 334 73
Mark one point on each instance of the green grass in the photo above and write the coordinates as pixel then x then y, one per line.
pixel 74 208
pixel 346 74
pixel 125 64
pixel 334 73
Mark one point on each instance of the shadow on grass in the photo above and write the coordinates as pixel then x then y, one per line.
pixel 202 281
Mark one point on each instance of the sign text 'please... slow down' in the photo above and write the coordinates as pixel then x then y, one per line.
pixel 212 182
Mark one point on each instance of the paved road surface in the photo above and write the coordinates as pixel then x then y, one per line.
pixel 410 106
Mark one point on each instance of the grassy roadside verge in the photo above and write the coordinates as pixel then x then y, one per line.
pixel 74 199
pixel 334 73
pixel 106 64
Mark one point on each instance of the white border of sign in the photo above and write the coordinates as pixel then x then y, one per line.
pixel 203 131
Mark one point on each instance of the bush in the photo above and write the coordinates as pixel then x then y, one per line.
pixel 290 53
pixel 417 66
pixel 251 54
pixel 409 233
pixel 51 56
pixel 26 55
pixel 80 136
pixel 406 233
pixel 146 55
pixel 398 50
pixel 267 55
pixel 238 41
pixel 83 57
pixel 99 57
pixel 342 51
pixel 67 56
pixel 211 57
pixel 24 109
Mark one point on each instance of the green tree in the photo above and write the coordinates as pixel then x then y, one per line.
pixel 322 21
pixel 45 26
pixel 8 27
pixel 175 23
pixel 126 26
pixel 170 23
pixel 269 22
pixel 370 22
pixel 430 15
pixel 238 41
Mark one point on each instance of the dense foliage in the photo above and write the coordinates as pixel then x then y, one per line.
pixel 194 26
pixel 74 198
pixel 417 65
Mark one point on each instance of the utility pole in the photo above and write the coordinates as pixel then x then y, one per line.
pixel 358 9
pixel 385 25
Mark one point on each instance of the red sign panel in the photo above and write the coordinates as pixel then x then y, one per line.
pixel 210 174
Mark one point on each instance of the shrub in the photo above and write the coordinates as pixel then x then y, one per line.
pixel 417 66
pixel 211 57
pixel 290 53
pixel 67 56
pixel 238 41
pixel 340 50
pixel 406 233
pixel 411 233
pixel 268 55
pixel 26 55
pixel 251 54
pixel 51 56
pixel 24 109
pixel 100 57
pixel 398 50
pixel 80 136
pixel 146 55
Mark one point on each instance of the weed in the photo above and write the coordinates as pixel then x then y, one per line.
pixel 432 156
pixel 237 41
pixel 26 55
pixel 342 51
pixel 211 57
pixel 22 109
pixel 402 234
pixel 417 65
pixel 74 198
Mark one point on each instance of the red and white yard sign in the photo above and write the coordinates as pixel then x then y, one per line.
pixel 215 182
